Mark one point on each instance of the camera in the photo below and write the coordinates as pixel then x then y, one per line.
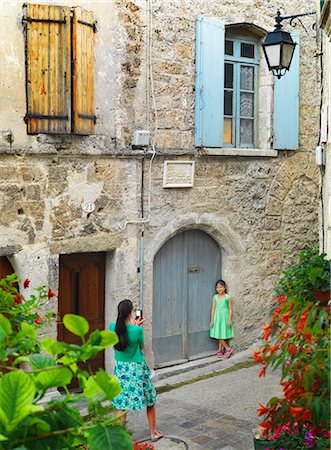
pixel 139 313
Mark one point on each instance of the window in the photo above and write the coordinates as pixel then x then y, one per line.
pixel 59 69
pixel 236 106
pixel 240 86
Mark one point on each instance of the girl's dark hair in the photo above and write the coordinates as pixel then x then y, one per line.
pixel 222 283
pixel 124 309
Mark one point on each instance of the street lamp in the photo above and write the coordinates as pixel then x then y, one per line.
pixel 278 46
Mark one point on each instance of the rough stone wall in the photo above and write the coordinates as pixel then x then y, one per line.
pixel 260 210
pixel 324 21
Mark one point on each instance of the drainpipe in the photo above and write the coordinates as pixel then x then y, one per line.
pixel 141 290
pixel 141 268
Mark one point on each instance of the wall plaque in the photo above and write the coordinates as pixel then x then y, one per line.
pixel 178 174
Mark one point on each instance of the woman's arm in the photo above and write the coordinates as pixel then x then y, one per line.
pixel 212 313
pixel 230 313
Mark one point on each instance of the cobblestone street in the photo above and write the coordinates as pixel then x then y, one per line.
pixel 216 413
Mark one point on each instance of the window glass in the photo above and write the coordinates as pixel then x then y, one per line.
pixel 239 94
pixel 227 130
pixel 228 83
pixel 246 131
pixel 228 47
pixel 246 104
pixel 247 50
pixel 247 78
pixel 228 101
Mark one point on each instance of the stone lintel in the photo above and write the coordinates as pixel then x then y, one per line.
pixel 10 250
pixel 102 242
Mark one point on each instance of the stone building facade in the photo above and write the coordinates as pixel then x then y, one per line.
pixel 258 205
pixel 324 21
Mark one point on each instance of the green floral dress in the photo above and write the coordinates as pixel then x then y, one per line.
pixel 133 373
pixel 220 329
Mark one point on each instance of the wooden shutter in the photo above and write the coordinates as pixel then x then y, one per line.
pixel 83 72
pixel 209 95
pixel 286 104
pixel 47 68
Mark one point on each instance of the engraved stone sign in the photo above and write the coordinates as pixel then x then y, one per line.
pixel 178 174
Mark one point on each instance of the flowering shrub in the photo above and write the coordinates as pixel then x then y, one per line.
pixel 142 446
pixel 297 341
pixel 30 417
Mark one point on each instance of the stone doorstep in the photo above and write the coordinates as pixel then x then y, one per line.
pixel 161 374
pixel 169 376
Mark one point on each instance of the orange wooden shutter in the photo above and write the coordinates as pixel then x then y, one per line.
pixel 48 69
pixel 83 29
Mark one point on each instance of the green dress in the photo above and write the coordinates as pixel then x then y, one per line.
pixel 220 329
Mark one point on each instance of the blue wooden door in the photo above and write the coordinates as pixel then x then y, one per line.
pixel 185 271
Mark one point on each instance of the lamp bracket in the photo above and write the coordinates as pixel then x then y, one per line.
pixel 292 20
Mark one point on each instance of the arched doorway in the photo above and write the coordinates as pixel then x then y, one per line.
pixel 184 275
pixel 5 267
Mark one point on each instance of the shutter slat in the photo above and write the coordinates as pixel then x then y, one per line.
pixel 286 104
pixel 83 76
pixel 48 69
pixel 209 95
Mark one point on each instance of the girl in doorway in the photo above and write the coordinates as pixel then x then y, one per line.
pixel 221 327
pixel 133 374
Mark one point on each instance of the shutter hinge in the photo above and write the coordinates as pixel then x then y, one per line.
pixel 41 116
pixel 30 19
pixel 88 117
pixel 92 25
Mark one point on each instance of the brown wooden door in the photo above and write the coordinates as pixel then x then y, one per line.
pixel 5 267
pixel 82 291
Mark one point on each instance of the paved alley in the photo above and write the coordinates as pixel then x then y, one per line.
pixel 216 413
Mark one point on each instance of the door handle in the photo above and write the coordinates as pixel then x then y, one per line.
pixel 194 269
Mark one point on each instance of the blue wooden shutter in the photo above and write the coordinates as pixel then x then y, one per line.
pixel 286 104
pixel 209 87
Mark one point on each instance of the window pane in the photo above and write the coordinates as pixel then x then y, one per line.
pixel 247 78
pixel 246 104
pixel 228 47
pixel 228 95
pixel 228 80
pixel 246 131
pixel 247 50
pixel 227 130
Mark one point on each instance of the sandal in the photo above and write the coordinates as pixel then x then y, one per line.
pixel 228 353
pixel 155 437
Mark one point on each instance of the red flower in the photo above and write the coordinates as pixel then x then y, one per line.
pixel 295 410
pixel 262 372
pixel 292 348
pixel 266 334
pixel 18 299
pixel 50 294
pixel 262 410
pixel 285 317
pixel 26 283
pixel 302 321
pixel 39 320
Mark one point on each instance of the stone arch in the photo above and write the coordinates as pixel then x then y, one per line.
pixel 295 189
pixel 220 230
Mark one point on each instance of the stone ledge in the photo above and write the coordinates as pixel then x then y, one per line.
pixel 252 152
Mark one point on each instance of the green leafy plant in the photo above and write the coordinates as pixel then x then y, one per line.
pixel 32 369
pixel 297 341
pixel 311 273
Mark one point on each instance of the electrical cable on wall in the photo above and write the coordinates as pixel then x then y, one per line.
pixel 150 93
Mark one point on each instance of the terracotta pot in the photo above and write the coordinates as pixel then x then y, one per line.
pixel 321 296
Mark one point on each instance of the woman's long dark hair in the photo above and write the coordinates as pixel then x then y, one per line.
pixel 124 310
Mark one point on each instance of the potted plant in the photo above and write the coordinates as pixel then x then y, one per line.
pixel 310 278
pixel 297 341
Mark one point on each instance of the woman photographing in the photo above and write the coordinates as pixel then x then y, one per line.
pixel 138 391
